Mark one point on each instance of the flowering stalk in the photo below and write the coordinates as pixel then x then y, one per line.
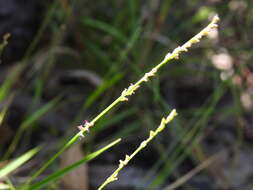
pixel 84 129
pixel 152 134
pixel 169 56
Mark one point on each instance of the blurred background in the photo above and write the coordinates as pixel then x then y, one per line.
pixel 63 62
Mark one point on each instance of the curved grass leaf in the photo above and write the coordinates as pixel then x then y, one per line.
pixel 18 162
pixel 58 174
pixel 28 123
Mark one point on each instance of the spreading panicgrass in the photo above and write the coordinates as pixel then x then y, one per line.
pixel 126 93
pixel 110 79
pixel 125 38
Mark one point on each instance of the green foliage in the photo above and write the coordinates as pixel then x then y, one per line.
pixel 10 167
pixel 130 91
pixel 58 174
pixel 112 77
pixel 118 41
pixel 27 123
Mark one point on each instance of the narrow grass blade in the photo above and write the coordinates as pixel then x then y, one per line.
pixel 9 81
pixel 2 114
pixel 113 31
pixel 102 88
pixel 193 172
pixel 188 141
pixel 38 114
pixel 18 162
pixel 9 183
pixel 105 123
pixel 4 43
pixel 28 123
pixel 4 186
pixel 55 176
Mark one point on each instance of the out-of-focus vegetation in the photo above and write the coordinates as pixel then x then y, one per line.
pixel 68 60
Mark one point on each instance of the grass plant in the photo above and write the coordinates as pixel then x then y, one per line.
pixel 125 94
pixel 130 91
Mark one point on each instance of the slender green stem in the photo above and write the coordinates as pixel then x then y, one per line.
pixel 152 135
pixel 131 90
